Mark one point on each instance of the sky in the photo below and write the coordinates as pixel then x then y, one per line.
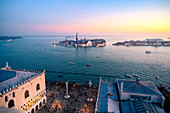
pixel 85 16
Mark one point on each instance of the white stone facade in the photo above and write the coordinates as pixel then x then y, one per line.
pixel 28 96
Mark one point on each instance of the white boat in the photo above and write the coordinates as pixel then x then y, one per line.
pixel 9 40
pixel 136 75
pixel 71 62
pixel 147 51
pixel 128 75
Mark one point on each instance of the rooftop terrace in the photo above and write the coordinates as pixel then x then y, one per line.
pixel 140 106
pixel 11 78
pixel 108 100
pixel 141 87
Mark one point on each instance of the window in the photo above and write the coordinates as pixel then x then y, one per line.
pixel 26 93
pixel 6 99
pixel 40 105
pixel 32 111
pixel 44 101
pixel 13 94
pixel 38 87
pixel 36 108
pixel 11 103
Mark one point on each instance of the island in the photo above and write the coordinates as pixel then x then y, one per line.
pixel 82 43
pixel 146 42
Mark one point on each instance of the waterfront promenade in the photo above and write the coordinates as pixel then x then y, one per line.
pixel 77 103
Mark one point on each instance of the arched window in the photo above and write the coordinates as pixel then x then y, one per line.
pixel 26 93
pixel 32 111
pixel 11 103
pixel 40 105
pixel 37 87
pixel 6 99
pixel 13 94
pixel 44 101
pixel 36 108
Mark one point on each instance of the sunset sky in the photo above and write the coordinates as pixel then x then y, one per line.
pixel 85 16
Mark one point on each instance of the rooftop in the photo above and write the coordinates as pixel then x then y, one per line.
pixel 10 78
pixel 140 106
pixel 141 87
pixel 108 103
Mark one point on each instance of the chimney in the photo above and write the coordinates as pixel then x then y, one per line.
pixel 137 79
pixel 121 86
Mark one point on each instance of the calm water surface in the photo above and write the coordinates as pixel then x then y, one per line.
pixel 113 61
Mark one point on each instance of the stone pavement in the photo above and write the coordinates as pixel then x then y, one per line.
pixel 77 103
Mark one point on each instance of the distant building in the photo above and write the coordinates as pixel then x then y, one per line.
pixel 82 42
pixel 147 42
pixel 22 90
pixel 85 43
pixel 77 38
pixel 154 40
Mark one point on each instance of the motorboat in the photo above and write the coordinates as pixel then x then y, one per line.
pixel 60 76
pixel 88 64
pixel 128 75
pixel 136 75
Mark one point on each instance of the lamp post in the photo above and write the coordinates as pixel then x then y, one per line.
pixel 90 99
pixel 66 96
pixel 85 105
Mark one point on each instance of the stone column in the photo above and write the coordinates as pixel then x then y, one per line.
pixel 67 96
pixel 90 99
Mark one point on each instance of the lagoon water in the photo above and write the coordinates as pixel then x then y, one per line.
pixel 113 62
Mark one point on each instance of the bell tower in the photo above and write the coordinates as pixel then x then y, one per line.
pixel 77 38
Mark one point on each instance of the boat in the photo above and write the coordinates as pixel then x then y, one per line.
pixel 71 62
pixel 135 75
pixel 128 75
pixel 9 40
pixel 147 51
pixel 60 76
pixel 157 77
pixel 97 56
pixel 88 65
pixel 55 43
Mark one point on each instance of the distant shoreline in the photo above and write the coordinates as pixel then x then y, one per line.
pixel 9 37
pixel 146 42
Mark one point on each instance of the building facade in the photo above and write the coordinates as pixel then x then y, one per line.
pixel 22 90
